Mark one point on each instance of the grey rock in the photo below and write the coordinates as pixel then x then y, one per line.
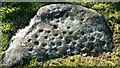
pixel 59 30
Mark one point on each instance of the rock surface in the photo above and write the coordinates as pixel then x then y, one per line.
pixel 59 30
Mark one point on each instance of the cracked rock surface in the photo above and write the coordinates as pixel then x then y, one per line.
pixel 59 30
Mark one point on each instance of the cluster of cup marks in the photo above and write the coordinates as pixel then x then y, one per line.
pixel 66 42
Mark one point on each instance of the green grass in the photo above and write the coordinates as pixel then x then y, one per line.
pixel 17 15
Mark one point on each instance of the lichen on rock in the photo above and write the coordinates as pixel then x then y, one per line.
pixel 59 30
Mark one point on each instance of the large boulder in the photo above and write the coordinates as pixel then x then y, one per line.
pixel 59 30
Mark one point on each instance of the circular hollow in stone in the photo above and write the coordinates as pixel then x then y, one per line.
pixel 36 43
pixel 29 40
pixel 52 38
pixel 56 34
pixel 68 40
pixel 48 31
pixel 41 30
pixel 36 36
pixel 30 49
pixel 59 43
pixel 91 38
pixel 61 37
pixel 76 37
pixel 72 47
pixel 64 32
pixel 73 43
pixel 82 19
pixel 43 44
pixel 55 26
pixel 46 37
pixel 57 21
pixel 81 46
pixel 90 45
pixel 52 44
pixel 71 32
pixel 68 27
pixel 82 32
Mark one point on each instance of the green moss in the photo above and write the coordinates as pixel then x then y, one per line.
pixel 34 63
pixel 78 60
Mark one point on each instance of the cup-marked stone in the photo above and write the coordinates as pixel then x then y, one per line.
pixel 59 30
